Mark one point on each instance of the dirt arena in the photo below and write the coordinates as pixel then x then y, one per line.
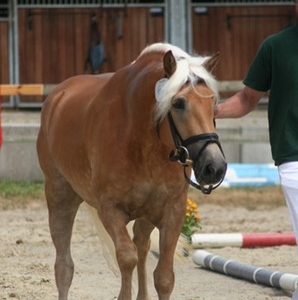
pixel 27 254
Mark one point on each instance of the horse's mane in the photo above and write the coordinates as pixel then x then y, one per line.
pixel 189 69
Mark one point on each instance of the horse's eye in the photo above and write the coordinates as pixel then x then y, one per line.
pixel 179 103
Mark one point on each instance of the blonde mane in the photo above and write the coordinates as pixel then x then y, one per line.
pixel 189 69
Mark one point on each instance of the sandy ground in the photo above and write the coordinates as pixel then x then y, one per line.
pixel 27 253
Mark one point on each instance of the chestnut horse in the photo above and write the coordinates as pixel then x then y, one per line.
pixel 107 139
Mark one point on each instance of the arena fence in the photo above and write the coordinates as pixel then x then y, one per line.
pixel 44 89
pixel 40 89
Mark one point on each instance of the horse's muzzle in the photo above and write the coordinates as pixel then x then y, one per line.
pixel 210 166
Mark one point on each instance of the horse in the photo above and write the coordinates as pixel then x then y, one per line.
pixel 126 143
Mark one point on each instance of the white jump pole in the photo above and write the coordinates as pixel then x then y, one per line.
pixel 284 281
pixel 247 240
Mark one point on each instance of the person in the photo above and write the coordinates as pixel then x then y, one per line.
pixel 275 69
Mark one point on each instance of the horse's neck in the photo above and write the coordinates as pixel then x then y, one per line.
pixel 126 100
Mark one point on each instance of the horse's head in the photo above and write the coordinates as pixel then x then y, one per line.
pixel 185 98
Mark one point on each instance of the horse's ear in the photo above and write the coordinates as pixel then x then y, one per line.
pixel 169 63
pixel 211 62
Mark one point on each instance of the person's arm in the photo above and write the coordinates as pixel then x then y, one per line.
pixel 238 105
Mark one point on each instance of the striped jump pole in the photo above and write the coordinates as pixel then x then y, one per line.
pixel 246 240
pixel 285 281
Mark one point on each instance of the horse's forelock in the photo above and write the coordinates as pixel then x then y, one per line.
pixel 188 69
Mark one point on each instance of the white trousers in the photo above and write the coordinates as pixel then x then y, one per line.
pixel 295 295
pixel 288 174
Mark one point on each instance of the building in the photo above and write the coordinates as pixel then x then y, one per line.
pixel 47 41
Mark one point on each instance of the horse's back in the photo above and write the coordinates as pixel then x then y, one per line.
pixel 74 93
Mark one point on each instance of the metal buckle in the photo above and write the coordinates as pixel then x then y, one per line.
pixel 183 156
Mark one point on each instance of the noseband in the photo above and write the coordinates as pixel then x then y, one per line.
pixel 181 153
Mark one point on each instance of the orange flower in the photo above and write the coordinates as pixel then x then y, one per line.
pixel 192 219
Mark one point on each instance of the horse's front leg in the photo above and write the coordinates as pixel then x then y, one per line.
pixel 164 277
pixel 126 252
pixel 142 230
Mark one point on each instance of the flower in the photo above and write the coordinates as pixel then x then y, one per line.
pixel 191 220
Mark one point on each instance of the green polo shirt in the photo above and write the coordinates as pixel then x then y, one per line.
pixel 275 68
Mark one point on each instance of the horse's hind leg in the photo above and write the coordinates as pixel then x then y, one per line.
pixel 142 230
pixel 125 249
pixel 63 204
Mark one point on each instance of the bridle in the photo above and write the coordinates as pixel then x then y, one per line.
pixel 181 153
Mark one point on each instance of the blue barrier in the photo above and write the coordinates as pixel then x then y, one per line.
pixel 250 175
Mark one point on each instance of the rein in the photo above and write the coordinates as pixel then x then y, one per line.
pixel 181 153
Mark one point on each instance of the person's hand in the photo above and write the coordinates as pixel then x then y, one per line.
pixel 215 111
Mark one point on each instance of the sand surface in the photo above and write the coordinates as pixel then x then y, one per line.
pixel 27 254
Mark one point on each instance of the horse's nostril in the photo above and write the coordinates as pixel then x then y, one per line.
pixel 212 173
pixel 209 170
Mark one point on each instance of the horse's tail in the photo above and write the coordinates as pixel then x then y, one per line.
pixel 107 245
pixel 182 249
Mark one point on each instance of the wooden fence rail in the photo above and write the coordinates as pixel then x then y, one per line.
pixel 45 89
pixel 26 89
